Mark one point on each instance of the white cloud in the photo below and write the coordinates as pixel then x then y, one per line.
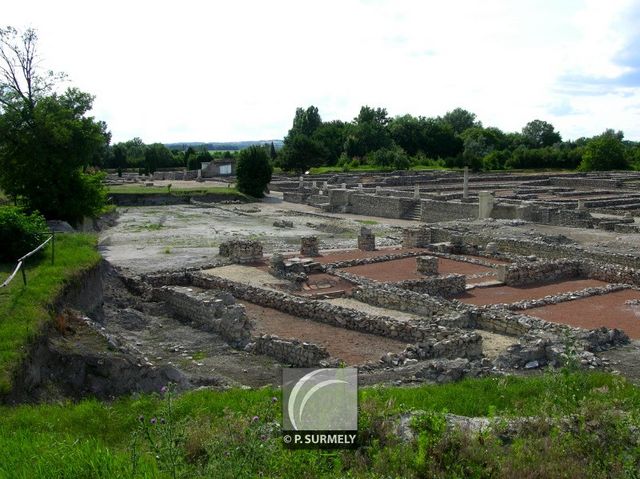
pixel 189 70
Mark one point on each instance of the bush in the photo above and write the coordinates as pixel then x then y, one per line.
pixel 253 171
pixel 19 232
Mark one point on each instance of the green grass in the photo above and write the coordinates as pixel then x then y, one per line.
pixel 367 222
pixel 154 190
pixel 24 309
pixel 219 438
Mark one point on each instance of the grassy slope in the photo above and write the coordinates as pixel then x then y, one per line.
pixel 23 310
pixel 150 190
pixel 92 439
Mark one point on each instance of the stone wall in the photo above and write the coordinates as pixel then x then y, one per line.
pixel 518 274
pixel 586 183
pixel 427 265
pixel 448 285
pixel 414 331
pixel 416 237
pixel 293 352
pixel 208 311
pixel 386 296
pixel 366 239
pixel 382 206
pixel 433 211
pixel 241 251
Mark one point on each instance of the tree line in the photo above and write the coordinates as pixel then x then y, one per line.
pixel 455 139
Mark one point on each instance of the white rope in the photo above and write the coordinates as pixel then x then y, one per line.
pixel 21 262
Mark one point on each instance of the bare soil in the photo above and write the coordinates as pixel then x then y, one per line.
pixel 406 268
pixel 512 294
pixel 607 310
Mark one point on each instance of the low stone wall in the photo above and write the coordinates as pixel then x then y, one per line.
pixel 386 296
pixel 293 352
pixel 295 196
pixel 433 211
pixel 414 331
pixel 374 259
pixel 563 297
pixel 382 206
pixel 208 311
pixel 586 183
pixel 519 274
pixel 448 285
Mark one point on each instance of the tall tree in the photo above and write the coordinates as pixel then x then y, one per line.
pixel 47 140
pixel 461 120
pixel 253 171
pixel 306 121
pixel 605 152
pixel 539 133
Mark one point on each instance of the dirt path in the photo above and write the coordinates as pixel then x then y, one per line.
pixel 352 347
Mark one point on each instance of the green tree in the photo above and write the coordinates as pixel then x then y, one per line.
pixel 47 140
pixel 368 133
pixel 305 122
pixel 460 120
pixel 301 152
pixel 538 134
pixel 605 152
pixel 331 135
pixel 253 171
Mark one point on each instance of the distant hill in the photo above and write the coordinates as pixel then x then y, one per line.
pixel 221 145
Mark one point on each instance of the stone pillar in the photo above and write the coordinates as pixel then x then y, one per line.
pixel 314 185
pixel 581 205
pixel 360 186
pixel 366 239
pixel 416 237
pixel 378 190
pixel 325 185
pixel 416 192
pixel 301 182
pixel 485 206
pixel 309 246
pixel 344 186
pixel 465 183
pixel 277 262
pixel 427 265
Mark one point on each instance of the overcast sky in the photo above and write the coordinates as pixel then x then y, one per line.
pixel 236 70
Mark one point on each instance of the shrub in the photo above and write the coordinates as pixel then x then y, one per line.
pixel 253 171
pixel 19 232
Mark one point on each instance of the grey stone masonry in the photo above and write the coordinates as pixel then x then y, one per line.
pixel 366 239
pixel 416 237
pixel 309 246
pixel 386 296
pixel 427 265
pixel 410 331
pixel 242 251
pixel 208 311
pixel 448 285
pixel 290 351
pixel 517 274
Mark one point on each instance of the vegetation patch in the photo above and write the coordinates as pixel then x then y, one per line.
pixel 177 191
pixel 24 310
pixel 236 433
